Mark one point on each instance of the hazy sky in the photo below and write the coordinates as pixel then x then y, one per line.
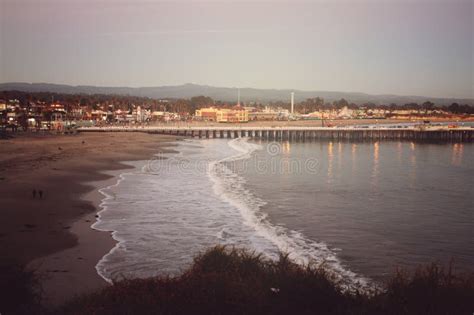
pixel 394 47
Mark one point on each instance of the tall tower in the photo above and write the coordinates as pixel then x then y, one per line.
pixel 238 97
pixel 292 102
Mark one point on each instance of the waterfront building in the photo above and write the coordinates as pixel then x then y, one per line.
pixel 98 115
pixel 270 114
pixel 263 115
pixel 207 114
pixel 232 115
pixel 165 116
pixel 345 113
pixel 222 114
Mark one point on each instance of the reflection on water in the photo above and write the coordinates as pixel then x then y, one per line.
pixel 286 147
pixel 399 151
pixel 353 156
pixel 413 166
pixel 457 153
pixel 375 168
pixel 287 165
pixel 330 161
pixel 353 149
pixel 339 156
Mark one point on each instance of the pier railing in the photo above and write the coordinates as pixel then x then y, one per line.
pixel 302 133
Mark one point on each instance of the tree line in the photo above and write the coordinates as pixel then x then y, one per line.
pixel 128 102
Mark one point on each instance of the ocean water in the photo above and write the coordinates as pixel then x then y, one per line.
pixel 362 209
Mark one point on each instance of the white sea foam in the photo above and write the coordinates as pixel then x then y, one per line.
pixel 101 266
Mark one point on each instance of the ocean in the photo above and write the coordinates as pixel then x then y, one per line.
pixel 362 209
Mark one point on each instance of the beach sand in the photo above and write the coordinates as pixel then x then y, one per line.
pixel 53 234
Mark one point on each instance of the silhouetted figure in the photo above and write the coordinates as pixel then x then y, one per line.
pixel 34 193
pixel 40 193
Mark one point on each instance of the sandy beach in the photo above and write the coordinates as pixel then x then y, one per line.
pixel 52 234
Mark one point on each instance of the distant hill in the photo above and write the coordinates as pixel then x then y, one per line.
pixel 227 94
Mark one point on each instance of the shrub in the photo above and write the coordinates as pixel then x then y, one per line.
pixel 20 290
pixel 226 280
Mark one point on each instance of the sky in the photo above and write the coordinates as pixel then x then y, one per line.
pixel 403 47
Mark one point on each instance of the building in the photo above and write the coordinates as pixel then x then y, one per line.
pixel 270 114
pixel 232 115
pixel 345 113
pixel 222 114
pixel 263 115
pixel 99 115
pixel 207 114
pixel 141 114
pixel 164 116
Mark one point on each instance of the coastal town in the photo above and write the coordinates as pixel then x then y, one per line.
pixel 62 112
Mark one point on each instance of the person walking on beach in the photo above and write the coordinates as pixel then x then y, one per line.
pixel 34 193
pixel 40 192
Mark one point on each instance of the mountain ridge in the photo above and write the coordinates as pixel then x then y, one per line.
pixel 229 94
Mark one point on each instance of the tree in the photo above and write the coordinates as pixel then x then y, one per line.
pixel 427 106
pixel 341 103
pixel 198 102
pixel 414 106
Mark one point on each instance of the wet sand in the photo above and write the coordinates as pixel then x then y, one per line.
pixel 53 234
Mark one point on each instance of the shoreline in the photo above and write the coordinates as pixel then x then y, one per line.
pixel 53 235
pixel 117 179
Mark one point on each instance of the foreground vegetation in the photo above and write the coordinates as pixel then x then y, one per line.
pixel 231 281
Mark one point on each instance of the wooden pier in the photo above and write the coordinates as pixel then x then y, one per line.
pixel 302 133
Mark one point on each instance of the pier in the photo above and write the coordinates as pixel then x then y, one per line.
pixel 302 133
